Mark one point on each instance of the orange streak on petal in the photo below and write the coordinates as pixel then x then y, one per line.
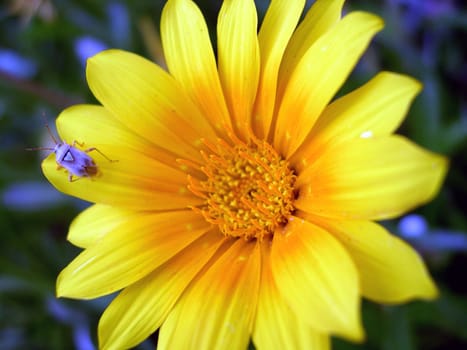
pixel 373 110
pixel 142 307
pixel 149 101
pixel 218 309
pixel 318 75
pixel 191 60
pixel 238 60
pixel 317 277
pixel 289 331
pixel 370 179
pixel 129 253
pixel 277 27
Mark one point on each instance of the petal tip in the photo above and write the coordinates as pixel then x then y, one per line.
pixel 431 291
pixel 354 331
pixel 374 22
pixel 60 291
pixel 100 58
pixel 440 167
pixel 67 288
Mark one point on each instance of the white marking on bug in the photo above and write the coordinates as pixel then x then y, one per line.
pixel 75 161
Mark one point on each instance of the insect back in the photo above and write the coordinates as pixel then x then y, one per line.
pixel 76 161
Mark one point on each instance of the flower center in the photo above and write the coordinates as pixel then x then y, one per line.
pixel 248 190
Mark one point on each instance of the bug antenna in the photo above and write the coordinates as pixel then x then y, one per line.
pixel 39 149
pixel 46 123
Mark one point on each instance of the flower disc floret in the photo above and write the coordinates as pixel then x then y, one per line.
pixel 248 191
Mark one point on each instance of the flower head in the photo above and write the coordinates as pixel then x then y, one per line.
pixel 243 199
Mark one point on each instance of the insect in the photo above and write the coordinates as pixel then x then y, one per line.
pixel 75 161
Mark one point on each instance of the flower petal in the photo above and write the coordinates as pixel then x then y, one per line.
pixel 148 101
pixel 276 325
pixel 95 222
pixel 217 311
pixel 277 27
pixel 92 124
pixel 142 307
pixel 129 253
pixel 238 59
pixel 191 60
pixel 375 109
pixel 318 76
pixel 321 17
pixel 370 179
pixel 133 181
pixel 316 276
pixel 390 270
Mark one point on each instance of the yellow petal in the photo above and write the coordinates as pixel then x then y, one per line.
pixel 317 278
pixel 320 18
pixel 148 101
pixel 375 109
pixel 142 307
pixel 191 60
pixel 129 253
pixel 276 325
pixel 238 58
pixel 277 27
pixel 370 179
pixel 318 76
pixel 91 125
pixel 217 311
pixel 390 270
pixel 132 181
pixel 95 222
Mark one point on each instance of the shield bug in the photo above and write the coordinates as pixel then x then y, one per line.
pixel 75 161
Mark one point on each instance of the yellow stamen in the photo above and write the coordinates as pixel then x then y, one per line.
pixel 248 189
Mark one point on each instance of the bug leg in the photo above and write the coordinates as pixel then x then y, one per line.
pixel 77 178
pixel 102 154
pixel 80 144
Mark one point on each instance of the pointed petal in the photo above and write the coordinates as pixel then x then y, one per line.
pixel 375 109
pixel 320 18
pixel 142 307
pixel 390 270
pixel 370 179
pixel 316 276
pixel 238 59
pixel 148 101
pixel 318 76
pixel 129 253
pixel 276 325
pixel 218 309
pixel 133 181
pixel 91 125
pixel 95 222
pixel 277 27
pixel 191 60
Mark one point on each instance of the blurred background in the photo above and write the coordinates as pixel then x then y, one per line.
pixel 43 49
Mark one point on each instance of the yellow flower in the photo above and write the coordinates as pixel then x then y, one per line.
pixel 243 199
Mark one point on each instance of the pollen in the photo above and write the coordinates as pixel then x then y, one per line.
pixel 248 189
